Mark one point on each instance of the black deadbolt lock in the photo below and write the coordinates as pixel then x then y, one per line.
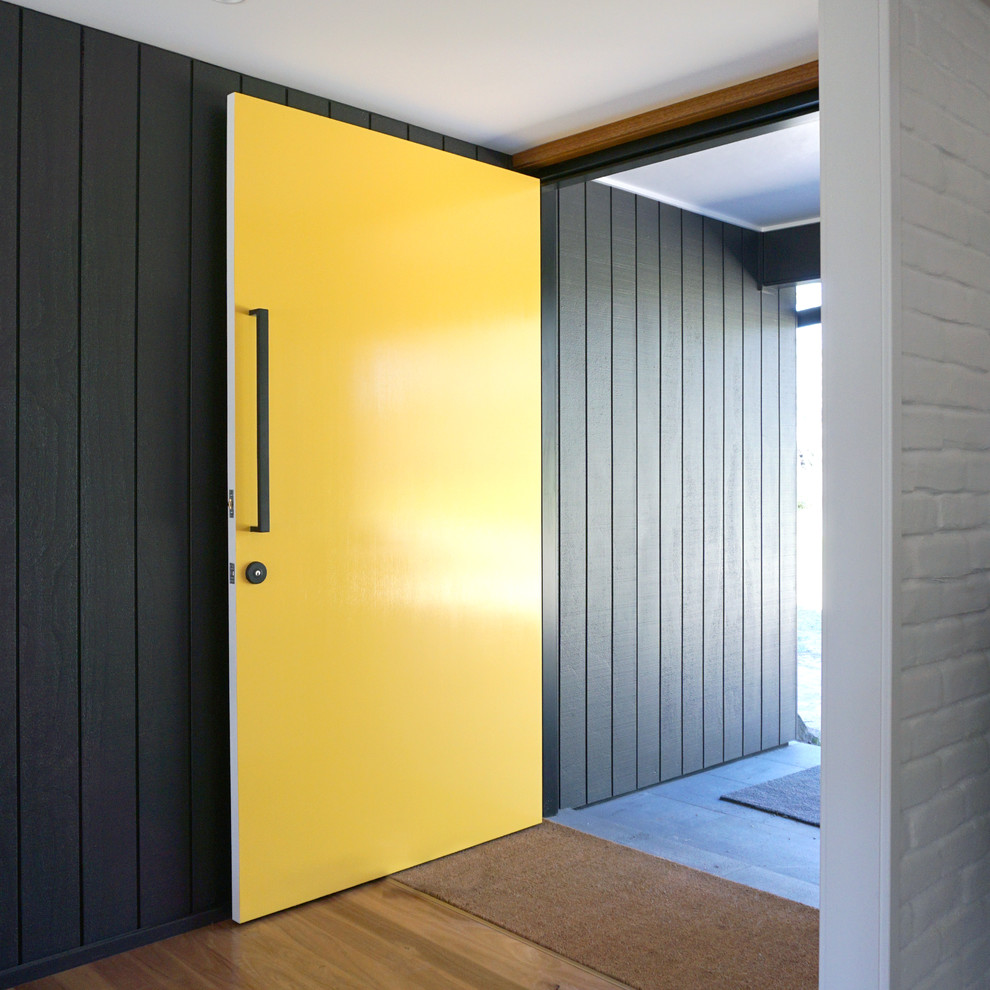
pixel 256 572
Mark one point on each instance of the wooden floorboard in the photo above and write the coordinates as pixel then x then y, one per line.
pixel 380 935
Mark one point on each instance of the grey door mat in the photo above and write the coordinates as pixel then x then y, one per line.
pixel 797 796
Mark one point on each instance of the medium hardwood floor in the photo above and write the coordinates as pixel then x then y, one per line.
pixel 381 935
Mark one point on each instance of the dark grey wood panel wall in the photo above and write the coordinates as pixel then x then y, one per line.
pixel 114 792
pixel 676 511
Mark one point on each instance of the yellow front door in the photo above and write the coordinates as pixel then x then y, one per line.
pixel 385 673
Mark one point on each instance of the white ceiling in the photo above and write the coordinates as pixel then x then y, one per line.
pixel 762 182
pixel 509 74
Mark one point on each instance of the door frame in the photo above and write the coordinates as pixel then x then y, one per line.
pixel 670 144
pixel 860 902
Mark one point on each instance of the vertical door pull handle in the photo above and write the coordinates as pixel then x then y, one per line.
pixel 264 495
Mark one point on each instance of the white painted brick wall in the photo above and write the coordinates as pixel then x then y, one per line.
pixel 944 738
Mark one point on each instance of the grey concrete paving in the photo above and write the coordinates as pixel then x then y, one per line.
pixel 684 820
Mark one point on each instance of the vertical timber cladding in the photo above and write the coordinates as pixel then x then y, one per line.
pixel 114 789
pixel 9 838
pixel 677 495
pixel 47 487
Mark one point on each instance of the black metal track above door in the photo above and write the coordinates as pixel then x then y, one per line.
pixel 683 140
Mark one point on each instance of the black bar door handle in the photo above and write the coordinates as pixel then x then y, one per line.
pixel 264 494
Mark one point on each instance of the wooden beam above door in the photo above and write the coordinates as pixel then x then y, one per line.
pixel 742 96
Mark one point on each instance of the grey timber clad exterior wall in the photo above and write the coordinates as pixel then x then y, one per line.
pixel 675 494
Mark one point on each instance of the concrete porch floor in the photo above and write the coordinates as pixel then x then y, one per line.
pixel 684 821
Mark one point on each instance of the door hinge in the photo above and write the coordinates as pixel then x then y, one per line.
pixel 231 573
pixel 230 503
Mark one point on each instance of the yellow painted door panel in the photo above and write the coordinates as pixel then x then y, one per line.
pixel 385 692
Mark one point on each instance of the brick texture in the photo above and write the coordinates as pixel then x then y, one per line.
pixel 944 738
